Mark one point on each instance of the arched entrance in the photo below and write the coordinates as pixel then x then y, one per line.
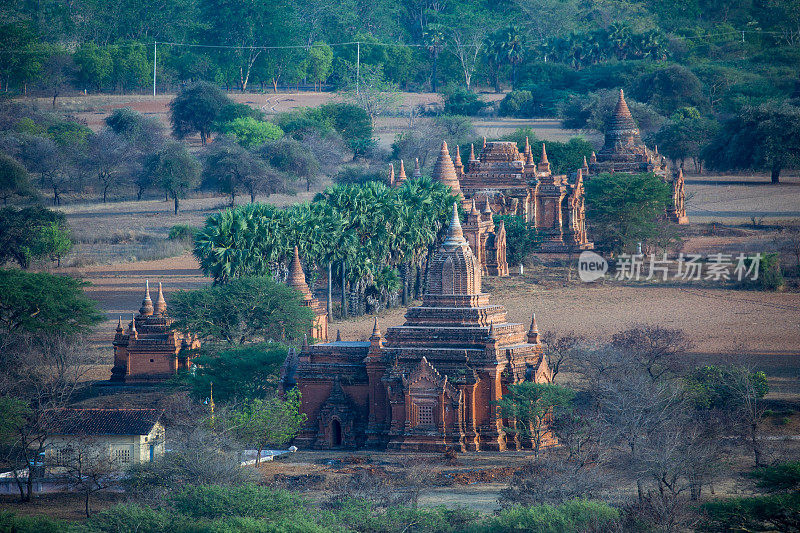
pixel 336 434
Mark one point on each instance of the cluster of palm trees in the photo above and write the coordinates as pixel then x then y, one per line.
pixel 373 238
pixel 619 41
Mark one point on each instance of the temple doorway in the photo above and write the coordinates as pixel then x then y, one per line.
pixel 336 434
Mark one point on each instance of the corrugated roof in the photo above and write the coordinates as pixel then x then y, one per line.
pixel 103 421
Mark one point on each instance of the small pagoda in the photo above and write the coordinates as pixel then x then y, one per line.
pixel 149 350
pixel 624 151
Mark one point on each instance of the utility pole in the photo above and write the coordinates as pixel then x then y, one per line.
pixel 330 290
pixel 358 66
pixel 155 51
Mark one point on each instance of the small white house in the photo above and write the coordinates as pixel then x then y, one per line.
pixel 124 436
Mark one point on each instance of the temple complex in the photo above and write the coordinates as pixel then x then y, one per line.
pixel 504 181
pixel 624 151
pixel 297 280
pixel 149 350
pixel 430 384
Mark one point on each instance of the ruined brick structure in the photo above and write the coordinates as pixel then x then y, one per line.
pixel 149 350
pixel 297 280
pixel 428 385
pixel 506 182
pixel 624 151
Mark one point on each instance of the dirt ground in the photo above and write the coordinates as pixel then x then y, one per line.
pixel 94 109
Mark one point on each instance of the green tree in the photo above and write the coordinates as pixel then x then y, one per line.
pixel 39 302
pixel 95 65
pixel 623 209
pixel 319 63
pixel 267 422
pixel 685 135
pixel 292 158
pixel 21 57
pixel 175 169
pixel 14 179
pixel 765 137
pixel 239 373
pixel 251 132
pixel 31 233
pixel 531 405
pixel 195 110
pixel 52 240
pixel 241 311
pixel 521 238
pixel 229 167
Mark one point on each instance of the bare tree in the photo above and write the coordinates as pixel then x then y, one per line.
pixel 374 93
pixel 86 465
pixel 46 373
pixel 559 349
pixel 466 35
pixel 108 155
pixel 658 350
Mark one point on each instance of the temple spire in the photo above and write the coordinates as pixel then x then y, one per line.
pixel 376 331
pixel 445 172
pixel 338 336
pixel 391 175
pixel 160 307
pixel 487 208
pixel 402 176
pixel 417 170
pixel 622 109
pixel 119 325
pixel 585 164
pixel 473 211
pixel 455 235
pixel 492 333
pixel 533 331
pixel 593 158
pixel 305 342
pixel 544 164
pixel 297 278
pixel 459 166
pixel 133 327
pixel 472 152
pixel 147 303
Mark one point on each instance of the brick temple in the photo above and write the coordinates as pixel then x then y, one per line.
pixel 428 385
pixel 149 350
pixel 624 151
pixel 503 181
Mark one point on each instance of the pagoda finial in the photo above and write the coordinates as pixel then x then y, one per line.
pixel 622 109
pixel 585 164
pixel 527 146
pixel 147 303
pixel 297 278
pixel 487 208
pixel 402 176
pixel 484 142
pixel 445 172
pixel 473 211
pixel 544 164
pixel 133 327
pixel 338 336
pixel 391 175
pixel 376 332
pixel 417 170
pixel 492 333
pixel 119 325
pixel 160 307
pixel 455 235
pixel 472 152
pixel 593 158
pixel 533 331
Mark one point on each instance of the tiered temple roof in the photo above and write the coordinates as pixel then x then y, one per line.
pixel 149 349
pixel 429 384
